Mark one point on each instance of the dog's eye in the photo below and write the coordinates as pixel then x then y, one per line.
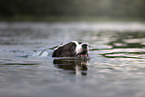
pixel 84 46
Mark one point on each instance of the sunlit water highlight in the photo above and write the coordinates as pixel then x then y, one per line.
pixel 116 65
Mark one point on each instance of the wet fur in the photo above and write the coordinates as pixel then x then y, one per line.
pixel 67 50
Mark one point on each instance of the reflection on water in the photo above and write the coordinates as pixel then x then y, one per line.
pixel 76 65
pixel 126 45
pixel 116 67
pixel 128 40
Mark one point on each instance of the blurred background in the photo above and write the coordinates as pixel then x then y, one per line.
pixel 71 9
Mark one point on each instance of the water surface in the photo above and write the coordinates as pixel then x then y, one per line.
pixel 116 67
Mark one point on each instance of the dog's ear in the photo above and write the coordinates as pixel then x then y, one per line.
pixel 67 50
pixel 72 47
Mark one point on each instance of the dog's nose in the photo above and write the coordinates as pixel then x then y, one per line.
pixel 84 46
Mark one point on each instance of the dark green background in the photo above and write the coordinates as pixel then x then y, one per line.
pixel 72 8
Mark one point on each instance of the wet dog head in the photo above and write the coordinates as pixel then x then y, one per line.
pixel 81 49
pixel 72 49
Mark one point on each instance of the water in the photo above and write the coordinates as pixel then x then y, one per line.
pixel 116 67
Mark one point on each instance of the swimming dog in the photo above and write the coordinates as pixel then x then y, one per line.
pixel 72 49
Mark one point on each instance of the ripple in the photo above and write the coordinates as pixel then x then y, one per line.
pixel 135 55
pixel 116 67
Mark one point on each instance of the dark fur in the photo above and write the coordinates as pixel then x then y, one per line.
pixel 67 50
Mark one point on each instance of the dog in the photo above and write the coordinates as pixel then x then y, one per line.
pixel 72 49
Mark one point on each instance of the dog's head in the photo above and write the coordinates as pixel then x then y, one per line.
pixel 72 49
pixel 81 49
